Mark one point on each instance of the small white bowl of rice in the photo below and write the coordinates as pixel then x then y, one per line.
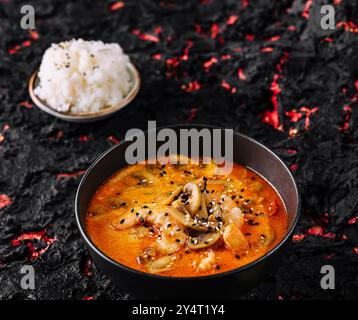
pixel 84 81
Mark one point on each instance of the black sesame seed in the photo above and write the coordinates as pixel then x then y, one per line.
pixel 122 221
pixel 237 256
pixel 177 240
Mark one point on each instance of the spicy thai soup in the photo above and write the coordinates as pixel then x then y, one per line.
pixel 184 220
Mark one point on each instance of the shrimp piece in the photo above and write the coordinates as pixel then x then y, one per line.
pixel 207 262
pixel 162 264
pixel 171 240
pixel 128 219
pixel 153 214
pixel 235 239
pixel 231 212
pixel 172 232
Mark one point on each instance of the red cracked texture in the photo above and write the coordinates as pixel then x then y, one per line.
pixel 193 113
pixel 113 139
pixel 295 115
pixel 347 117
pixel 145 36
pixel 353 220
pixel 241 74
pixel 173 63
pixel 306 10
pixel 232 19
pixel 116 6
pixel 209 63
pixel 272 117
pixel 191 86
pixel 70 174
pixel 29 237
pixel 4 201
pixel 26 104
pixel 317 231
pixel 26 43
pixel 347 26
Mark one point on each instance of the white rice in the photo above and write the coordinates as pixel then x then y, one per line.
pixel 83 76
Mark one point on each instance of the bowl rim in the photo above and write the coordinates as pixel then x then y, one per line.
pixel 119 265
pixel 90 115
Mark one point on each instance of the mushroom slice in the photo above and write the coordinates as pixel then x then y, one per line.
pixel 202 212
pixel 263 236
pixel 194 200
pixel 267 238
pixel 216 213
pixel 185 219
pixel 204 240
pixel 179 216
pixel 162 264
pixel 172 196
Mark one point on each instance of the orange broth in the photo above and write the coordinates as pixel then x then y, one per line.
pixel 256 198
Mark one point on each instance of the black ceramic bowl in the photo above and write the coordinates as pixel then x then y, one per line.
pixel 230 284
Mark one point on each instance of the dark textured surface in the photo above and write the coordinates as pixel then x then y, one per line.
pixel 42 158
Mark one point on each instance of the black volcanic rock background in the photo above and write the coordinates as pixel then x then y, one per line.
pixel 284 58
